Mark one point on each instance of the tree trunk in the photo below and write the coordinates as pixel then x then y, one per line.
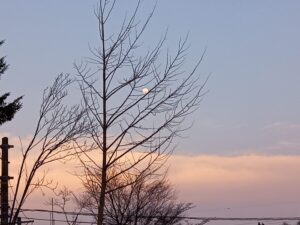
pixel 100 217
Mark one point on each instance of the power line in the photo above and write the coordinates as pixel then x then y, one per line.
pixel 180 217
pixel 58 220
pixel 58 212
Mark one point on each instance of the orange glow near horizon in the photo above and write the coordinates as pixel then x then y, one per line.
pixel 249 185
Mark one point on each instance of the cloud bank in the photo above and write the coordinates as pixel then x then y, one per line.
pixel 242 185
pixel 245 185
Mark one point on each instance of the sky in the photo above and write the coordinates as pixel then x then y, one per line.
pixel 243 149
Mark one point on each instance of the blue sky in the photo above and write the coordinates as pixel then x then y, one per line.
pixel 253 53
pixel 251 111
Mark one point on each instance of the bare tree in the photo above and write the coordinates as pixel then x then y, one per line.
pixel 136 104
pixel 67 200
pixel 149 200
pixel 58 127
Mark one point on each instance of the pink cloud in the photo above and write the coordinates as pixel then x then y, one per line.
pixel 249 185
pixel 244 185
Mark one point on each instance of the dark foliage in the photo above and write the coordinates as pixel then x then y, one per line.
pixel 7 110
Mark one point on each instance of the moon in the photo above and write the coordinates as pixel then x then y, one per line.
pixel 145 90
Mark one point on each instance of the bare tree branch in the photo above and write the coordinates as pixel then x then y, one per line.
pixel 132 130
pixel 58 126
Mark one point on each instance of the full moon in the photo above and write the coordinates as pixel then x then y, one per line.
pixel 145 90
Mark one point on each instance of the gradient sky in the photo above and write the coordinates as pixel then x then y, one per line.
pixel 253 53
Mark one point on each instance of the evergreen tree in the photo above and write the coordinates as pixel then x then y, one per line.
pixel 7 110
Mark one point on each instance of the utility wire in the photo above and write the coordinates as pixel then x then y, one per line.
pixel 58 220
pixel 58 212
pixel 180 217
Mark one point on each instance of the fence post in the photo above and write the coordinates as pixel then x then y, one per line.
pixel 4 181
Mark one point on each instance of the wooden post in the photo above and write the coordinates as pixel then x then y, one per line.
pixel 4 181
